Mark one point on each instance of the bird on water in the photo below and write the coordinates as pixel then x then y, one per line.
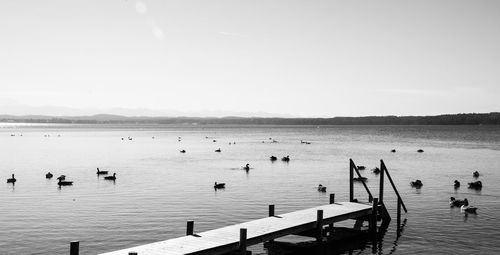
pixel 246 167
pixel 99 172
pixel 219 185
pixel 62 181
pixel 111 178
pixel 468 208
pixel 417 184
pixel 321 188
pixel 11 180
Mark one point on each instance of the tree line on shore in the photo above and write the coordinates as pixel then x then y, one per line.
pixel 492 118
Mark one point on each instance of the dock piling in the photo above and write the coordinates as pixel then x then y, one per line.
pixel 74 248
pixel 190 228
pixel 243 241
pixel 332 198
pixel 373 218
pixel 381 189
pixel 351 181
pixel 271 214
pixel 271 210
pixel 319 225
pixel 330 227
pixel 398 217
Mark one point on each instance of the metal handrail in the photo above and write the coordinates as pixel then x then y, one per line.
pixel 384 168
pixel 353 166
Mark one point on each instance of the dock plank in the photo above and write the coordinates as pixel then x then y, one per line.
pixel 226 239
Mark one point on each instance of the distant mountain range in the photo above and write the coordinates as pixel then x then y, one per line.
pixel 492 118
pixel 49 110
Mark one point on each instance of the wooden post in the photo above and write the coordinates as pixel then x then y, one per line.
pixel 243 241
pixel 351 182
pixel 271 210
pixel 399 217
pixel 271 214
pixel 190 228
pixel 330 227
pixel 74 248
pixel 373 218
pixel 381 190
pixel 319 225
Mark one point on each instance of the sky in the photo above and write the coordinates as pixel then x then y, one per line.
pixel 280 57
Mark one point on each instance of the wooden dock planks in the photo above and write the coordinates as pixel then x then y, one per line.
pixel 226 239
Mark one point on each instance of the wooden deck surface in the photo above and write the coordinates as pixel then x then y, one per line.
pixel 226 239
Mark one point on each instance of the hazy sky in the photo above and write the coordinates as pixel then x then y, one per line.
pixel 304 58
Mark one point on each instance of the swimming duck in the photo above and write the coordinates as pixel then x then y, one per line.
pixel 49 175
pixel 417 184
pixel 219 185
pixel 183 151
pixel 475 185
pixel 218 150
pixel 11 180
pixel 273 158
pixel 62 181
pixel 420 151
pixel 467 208
pixel 286 159
pixel 321 188
pixel 246 167
pixel 456 184
pixel 99 172
pixel 111 178
pixel 456 202
pixel 361 167
pixel 358 179
pixel 376 170
pixel 475 174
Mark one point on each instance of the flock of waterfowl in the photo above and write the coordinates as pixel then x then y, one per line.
pixel 284 159
pixel 61 180
pixel 463 204
pixel 247 168
pixel 216 185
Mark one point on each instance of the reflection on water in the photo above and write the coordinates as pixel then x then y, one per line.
pixel 158 188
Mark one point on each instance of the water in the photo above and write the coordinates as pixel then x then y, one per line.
pixel 158 188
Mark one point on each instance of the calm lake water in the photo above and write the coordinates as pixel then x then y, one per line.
pixel 158 188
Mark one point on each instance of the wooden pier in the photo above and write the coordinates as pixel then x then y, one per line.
pixel 227 239
pixel 316 222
